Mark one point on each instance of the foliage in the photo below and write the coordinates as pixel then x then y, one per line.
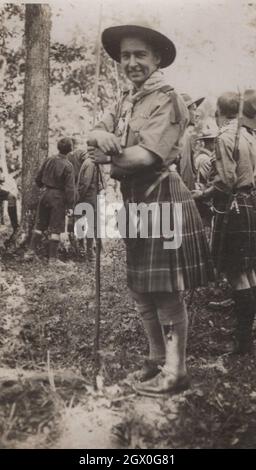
pixel 50 312
pixel 72 80
pixel 11 104
pixel 74 69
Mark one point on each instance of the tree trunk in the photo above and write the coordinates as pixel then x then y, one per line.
pixel 36 102
pixel 12 381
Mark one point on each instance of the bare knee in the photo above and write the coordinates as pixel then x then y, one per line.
pixel 55 237
pixel 145 306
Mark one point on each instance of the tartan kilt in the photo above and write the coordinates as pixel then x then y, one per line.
pixel 233 243
pixel 151 268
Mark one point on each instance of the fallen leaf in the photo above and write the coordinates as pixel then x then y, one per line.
pixel 234 441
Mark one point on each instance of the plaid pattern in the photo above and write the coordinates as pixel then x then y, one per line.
pixel 150 267
pixel 234 234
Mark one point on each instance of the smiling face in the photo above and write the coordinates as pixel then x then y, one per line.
pixel 138 60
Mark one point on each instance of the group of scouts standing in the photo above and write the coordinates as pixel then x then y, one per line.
pixel 66 179
pixel 142 135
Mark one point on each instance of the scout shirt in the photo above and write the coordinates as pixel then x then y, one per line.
pixel 157 124
pixel 251 137
pixel 87 185
pixel 57 173
pixel 77 158
pixel 232 172
pixel 187 170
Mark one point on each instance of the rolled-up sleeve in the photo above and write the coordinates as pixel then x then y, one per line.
pixel 160 133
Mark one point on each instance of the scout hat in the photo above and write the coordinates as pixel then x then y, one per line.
pixel 207 135
pixel 111 39
pixel 189 101
pixel 249 109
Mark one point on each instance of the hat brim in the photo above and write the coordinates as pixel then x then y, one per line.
pixel 191 101
pixel 111 39
pixel 206 137
pixel 199 101
pixel 249 122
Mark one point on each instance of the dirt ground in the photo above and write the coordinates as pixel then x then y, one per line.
pixel 47 331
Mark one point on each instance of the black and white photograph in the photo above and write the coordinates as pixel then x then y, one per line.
pixel 128 227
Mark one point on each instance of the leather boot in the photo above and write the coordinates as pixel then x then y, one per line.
pixel 148 371
pixel 173 377
pixel 163 384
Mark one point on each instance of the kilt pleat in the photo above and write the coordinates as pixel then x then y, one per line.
pixel 151 267
pixel 233 243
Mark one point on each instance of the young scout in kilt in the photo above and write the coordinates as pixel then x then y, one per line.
pixel 142 133
pixel 234 230
pixel 56 177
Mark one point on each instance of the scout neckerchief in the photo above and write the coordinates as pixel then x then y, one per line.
pixel 154 82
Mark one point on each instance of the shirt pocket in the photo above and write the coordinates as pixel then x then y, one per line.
pixel 135 125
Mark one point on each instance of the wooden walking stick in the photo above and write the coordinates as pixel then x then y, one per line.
pixel 97 223
pixel 239 123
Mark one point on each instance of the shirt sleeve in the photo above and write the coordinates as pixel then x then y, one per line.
pixel 252 150
pixel 69 185
pixel 226 165
pixel 39 175
pixel 161 132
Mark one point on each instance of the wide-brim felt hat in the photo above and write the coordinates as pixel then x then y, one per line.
pixel 210 135
pixel 189 101
pixel 249 109
pixel 112 37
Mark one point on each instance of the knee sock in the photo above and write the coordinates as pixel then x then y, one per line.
pixel 175 333
pixel 12 212
pixel 154 333
pixel 53 249
pixel 35 240
pixel 89 247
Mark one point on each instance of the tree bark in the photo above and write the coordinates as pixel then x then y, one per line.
pixel 36 103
